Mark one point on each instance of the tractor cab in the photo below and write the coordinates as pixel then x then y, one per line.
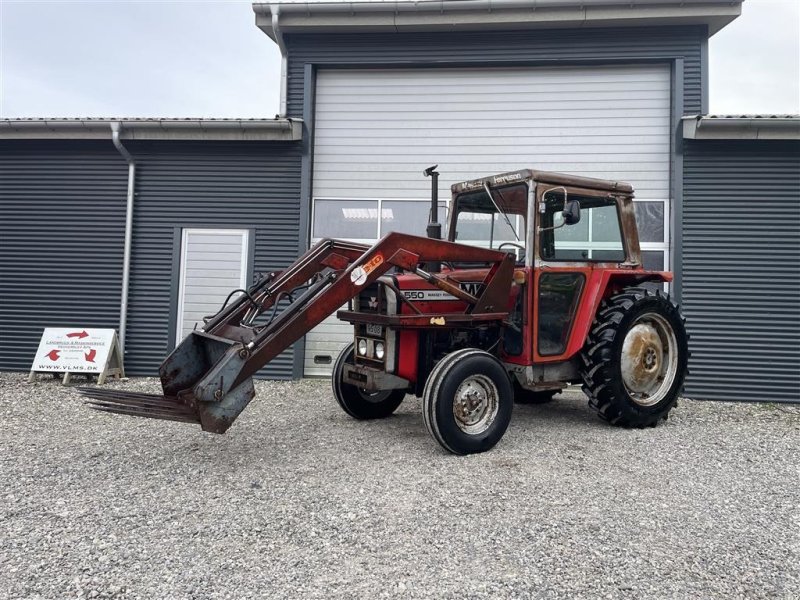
pixel 575 244
pixel 548 218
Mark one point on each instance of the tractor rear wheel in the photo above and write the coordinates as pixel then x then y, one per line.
pixel 635 358
pixel 467 401
pixel 357 402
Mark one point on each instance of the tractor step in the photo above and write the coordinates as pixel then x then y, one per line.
pixel 136 404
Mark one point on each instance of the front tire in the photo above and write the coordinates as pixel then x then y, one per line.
pixel 359 403
pixel 635 358
pixel 467 401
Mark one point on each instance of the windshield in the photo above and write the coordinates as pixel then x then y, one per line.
pixel 478 222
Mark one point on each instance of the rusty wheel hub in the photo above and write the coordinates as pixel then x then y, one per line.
pixel 475 404
pixel 649 359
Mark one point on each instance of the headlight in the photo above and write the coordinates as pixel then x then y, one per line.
pixel 379 350
pixel 362 347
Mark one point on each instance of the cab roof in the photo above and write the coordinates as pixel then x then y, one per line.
pixel 543 177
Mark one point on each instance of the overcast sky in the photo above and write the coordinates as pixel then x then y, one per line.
pixel 207 59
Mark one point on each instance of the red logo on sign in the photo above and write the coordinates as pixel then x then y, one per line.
pixel 90 354
pixel 78 334
pixel 53 354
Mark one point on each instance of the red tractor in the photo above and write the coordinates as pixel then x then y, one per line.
pixel 539 286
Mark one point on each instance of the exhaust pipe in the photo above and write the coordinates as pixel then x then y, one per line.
pixel 434 227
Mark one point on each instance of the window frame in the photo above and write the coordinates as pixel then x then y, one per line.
pixel 379 233
pixel 538 238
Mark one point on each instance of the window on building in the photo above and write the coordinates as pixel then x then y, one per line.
pixel 367 220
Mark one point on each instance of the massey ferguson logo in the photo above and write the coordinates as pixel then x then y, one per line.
pixel 471 287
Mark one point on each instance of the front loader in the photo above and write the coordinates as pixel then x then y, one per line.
pixel 540 285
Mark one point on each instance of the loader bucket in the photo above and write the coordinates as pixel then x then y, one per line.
pixel 187 397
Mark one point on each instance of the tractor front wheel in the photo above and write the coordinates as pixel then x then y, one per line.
pixel 359 403
pixel 467 401
pixel 635 358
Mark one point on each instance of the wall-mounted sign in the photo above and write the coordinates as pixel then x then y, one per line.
pixel 76 350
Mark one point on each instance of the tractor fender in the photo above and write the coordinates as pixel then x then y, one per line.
pixel 602 284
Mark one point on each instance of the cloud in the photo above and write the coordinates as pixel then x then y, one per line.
pixel 136 59
pixel 754 63
pixel 208 59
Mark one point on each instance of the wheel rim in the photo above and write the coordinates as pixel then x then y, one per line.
pixel 649 359
pixel 476 404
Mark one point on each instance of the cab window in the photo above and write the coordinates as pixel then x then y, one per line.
pixel 479 223
pixel 596 237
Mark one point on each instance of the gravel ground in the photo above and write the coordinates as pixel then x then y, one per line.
pixel 298 500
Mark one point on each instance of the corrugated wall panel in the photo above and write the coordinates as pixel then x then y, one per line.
pixel 62 216
pixel 741 269
pixel 206 184
pixel 482 48
pixel 62 220
pixel 582 120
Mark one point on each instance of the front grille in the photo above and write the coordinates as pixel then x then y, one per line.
pixel 371 299
pixel 374 299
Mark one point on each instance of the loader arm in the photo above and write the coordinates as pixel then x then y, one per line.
pixel 207 379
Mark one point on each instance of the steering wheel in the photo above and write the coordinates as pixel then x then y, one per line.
pixel 514 244
pixel 518 258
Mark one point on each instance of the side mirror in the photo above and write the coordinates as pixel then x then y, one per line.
pixel 570 215
pixel 571 212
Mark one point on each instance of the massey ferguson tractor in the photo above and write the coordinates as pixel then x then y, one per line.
pixel 539 286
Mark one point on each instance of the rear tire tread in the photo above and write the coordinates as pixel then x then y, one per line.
pixel 598 374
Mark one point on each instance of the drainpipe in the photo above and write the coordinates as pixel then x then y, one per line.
pixel 275 10
pixel 126 259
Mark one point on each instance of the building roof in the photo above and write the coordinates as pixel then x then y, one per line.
pixel 135 128
pixel 472 15
pixel 741 127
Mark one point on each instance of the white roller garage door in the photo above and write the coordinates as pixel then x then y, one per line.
pixel 376 130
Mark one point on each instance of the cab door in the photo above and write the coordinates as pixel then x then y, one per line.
pixel 570 255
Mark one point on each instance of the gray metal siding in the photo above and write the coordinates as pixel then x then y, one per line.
pixel 237 185
pixel 741 269
pixel 62 220
pixel 607 121
pixel 62 215
pixel 485 48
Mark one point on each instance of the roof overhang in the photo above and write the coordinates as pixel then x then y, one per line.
pixel 286 130
pixel 748 127
pixel 475 15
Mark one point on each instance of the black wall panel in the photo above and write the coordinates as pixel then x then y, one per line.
pixel 483 48
pixel 62 223
pixel 741 269
pixel 62 217
pixel 205 184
